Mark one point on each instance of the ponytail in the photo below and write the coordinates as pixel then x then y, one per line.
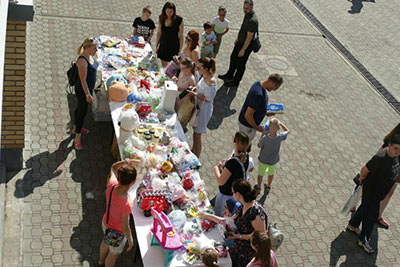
pixel 80 49
pixel 209 64
pixel 242 142
pixel 244 188
pixel 86 43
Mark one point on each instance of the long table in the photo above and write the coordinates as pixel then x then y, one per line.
pixel 153 256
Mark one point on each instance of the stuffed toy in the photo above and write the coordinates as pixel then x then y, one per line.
pixel 128 122
pixel 130 73
pixel 118 92
pixel 116 77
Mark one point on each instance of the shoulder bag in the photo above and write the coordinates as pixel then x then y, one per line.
pixel 112 237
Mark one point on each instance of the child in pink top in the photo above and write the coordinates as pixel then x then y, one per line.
pixel 122 177
pixel 261 243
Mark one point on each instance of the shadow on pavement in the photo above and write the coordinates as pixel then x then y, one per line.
pixel 43 167
pixel 357 5
pixel 345 250
pixel 91 169
pixel 222 103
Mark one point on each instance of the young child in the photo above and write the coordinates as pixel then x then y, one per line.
pixel 144 25
pixel 208 39
pixel 220 27
pixel 251 164
pixel 269 153
pixel 118 209
pixel 210 257
pixel 185 80
pixel 261 243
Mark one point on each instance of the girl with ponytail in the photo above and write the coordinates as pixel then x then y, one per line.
pixel 261 243
pixel 248 218
pixel 204 92
pixel 233 169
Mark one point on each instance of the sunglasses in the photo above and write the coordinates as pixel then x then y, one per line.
pixel 188 40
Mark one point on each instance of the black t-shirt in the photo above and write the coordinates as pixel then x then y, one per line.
pixel 144 28
pixel 383 171
pixel 237 172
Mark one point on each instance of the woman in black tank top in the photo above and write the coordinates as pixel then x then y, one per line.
pixel 87 68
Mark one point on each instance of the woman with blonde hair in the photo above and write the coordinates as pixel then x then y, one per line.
pixel 233 169
pixel 261 243
pixel 87 68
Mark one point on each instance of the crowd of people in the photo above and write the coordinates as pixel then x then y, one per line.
pixel 197 69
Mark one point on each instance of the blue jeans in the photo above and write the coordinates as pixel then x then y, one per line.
pixel 367 214
pixel 220 202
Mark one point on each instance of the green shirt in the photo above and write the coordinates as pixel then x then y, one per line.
pixel 249 24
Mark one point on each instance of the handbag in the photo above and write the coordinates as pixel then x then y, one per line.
pixel 195 116
pixel 112 237
pixel 172 69
pixel 185 110
pixel 255 43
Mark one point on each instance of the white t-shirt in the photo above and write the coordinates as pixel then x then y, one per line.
pixel 220 26
pixel 251 166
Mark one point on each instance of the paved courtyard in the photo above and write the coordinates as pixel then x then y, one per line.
pixel 337 121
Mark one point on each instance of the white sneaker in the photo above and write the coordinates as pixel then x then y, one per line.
pixel 353 229
pixel 365 245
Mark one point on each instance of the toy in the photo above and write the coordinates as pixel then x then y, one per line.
pixel 164 232
pixel 166 166
pixel 129 120
pixel 116 78
pixel 130 73
pixel 266 126
pixel 221 249
pixel 118 91
pixel 156 199
pixel 143 109
pixel 188 183
pixel 178 193
pixel 133 98
pixel 138 41
pixel 206 225
pixel 178 219
pixel 275 108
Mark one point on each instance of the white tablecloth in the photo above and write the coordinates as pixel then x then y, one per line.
pixel 153 256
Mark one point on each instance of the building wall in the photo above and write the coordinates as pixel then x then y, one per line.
pixel 13 115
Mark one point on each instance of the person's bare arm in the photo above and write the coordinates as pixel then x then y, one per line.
pixel 223 176
pixel 181 27
pixel 159 31
pixel 134 30
pixel 249 116
pixel 150 36
pixel 246 44
pixel 363 173
pixel 127 230
pixel 285 128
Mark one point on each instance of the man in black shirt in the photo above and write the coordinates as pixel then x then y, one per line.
pixel 377 178
pixel 243 47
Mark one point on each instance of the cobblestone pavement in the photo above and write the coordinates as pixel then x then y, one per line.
pixel 55 204
pixel 368 29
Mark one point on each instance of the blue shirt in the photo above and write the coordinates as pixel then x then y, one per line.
pixel 257 99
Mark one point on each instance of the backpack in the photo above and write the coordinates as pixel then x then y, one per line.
pixel 72 75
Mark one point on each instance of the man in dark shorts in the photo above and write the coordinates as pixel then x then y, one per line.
pixel 254 107
pixel 243 47
pixel 377 177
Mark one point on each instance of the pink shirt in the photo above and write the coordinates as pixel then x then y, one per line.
pixel 254 263
pixel 119 206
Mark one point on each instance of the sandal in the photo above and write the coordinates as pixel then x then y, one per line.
pixel 382 222
pixel 78 145
pixel 83 131
pixel 267 188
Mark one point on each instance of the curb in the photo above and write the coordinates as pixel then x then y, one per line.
pixel 2 206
